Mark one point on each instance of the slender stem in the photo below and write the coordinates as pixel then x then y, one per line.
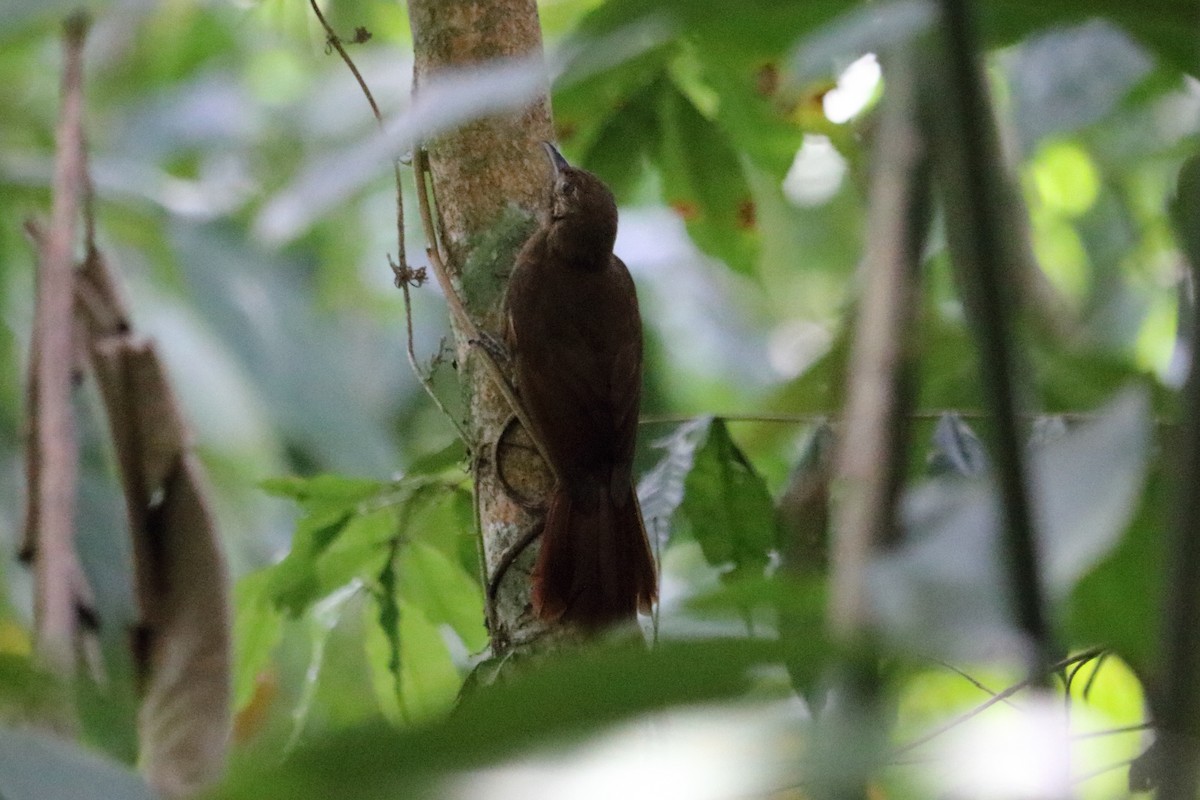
pixel 971 679
pixel 1177 705
pixel 463 321
pixel 872 449
pixel 816 417
pixel 53 453
pixel 1141 726
pixel 983 260
pixel 404 275
pixel 999 697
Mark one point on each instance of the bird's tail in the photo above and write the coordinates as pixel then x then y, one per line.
pixel 595 566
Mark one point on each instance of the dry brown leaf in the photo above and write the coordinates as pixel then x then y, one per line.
pixel 182 644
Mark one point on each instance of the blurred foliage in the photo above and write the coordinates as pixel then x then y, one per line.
pixel 359 612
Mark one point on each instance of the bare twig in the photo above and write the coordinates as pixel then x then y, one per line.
pixel 871 450
pixel 463 322
pixel 1141 726
pixel 972 182
pixel 404 275
pixel 1069 680
pixel 1176 701
pixel 61 590
pixel 971 679
pixel 871 455
pixel 999 697
pixel 933 415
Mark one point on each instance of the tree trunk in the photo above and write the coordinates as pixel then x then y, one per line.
pixel 490 180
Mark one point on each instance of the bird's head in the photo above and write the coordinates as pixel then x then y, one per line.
pixel 582 208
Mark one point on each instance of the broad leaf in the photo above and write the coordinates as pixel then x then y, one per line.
pixel 381 625
pixel 704 182
pixel 324 618
pixel 412 672
pixel 945 589
pixel 323 491
pixel 1065 79
pixel 443 592
pixel 728 507
pixel 428 678
pixel 257 629
pixel 560 702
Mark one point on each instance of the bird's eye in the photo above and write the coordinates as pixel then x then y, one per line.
pixel 568 188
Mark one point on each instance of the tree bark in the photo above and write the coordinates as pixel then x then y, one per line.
pixel 490 179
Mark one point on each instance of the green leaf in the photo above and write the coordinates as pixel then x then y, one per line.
pixel 728 507
pixel 609 121
pixel 412 672
pixel 754 124
pixel 443 592
pixel 1165 26
pixel 33 767
pixel 624 142
pixel 562 700
pixel 704 182
pixel 322 620
pixel 452 456
pixel 443 517
pixel 945 590
pixel 358 551
pixel 29 693
pixel 293 582
pixel 1117 604
pixel 323 490
pixel 428 676
pixel 1067 78
pixel 257 629
pixel 381 625
pixel 343 538
pixel 760 30
pixel 800 603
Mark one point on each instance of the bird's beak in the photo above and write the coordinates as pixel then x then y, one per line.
pixel 557 162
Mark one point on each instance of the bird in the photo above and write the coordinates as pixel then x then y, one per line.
pixel 574 334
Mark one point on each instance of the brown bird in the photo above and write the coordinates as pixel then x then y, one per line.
pixel 576 337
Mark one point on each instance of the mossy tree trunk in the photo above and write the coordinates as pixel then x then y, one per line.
pixel 490 181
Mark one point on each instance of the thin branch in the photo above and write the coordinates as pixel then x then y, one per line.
pixel 932 415
pixel 999 697
pixel 463 322
pixel 1074 672
pixel 52 459
pixel 872 451
pixel 1141 726
pixel 1087 687
pixel 1176 702
pixel 970 679
pixel 978 246
pixel 404 275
